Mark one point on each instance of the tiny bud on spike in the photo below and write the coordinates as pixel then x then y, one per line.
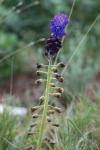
pixel 57 95
pixel 33 125
pixel 60 90
pixel 41 99
pixel 54 69
pixel 38 73
pixel 39 81
pixel 55 124
pixel 62 65
pixel 52 84
pixel 58 110
pixel 39 66
pixel 61 79
pixel 48 119
pixel 51 112
pixel 33 109
pixel 57 75
pixel 35 116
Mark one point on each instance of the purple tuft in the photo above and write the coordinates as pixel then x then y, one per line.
pixel 58 24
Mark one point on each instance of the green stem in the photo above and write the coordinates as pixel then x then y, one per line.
pixel 43 122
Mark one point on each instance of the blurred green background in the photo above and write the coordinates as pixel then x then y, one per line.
pixel 25 21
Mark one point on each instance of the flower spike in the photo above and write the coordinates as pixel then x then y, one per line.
pixel 43 126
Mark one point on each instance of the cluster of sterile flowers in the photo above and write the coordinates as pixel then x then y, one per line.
pixel 57 27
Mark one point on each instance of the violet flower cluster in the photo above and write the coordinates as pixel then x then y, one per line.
pixel 57 27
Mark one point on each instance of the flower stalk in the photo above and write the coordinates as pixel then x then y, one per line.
pixel 46 99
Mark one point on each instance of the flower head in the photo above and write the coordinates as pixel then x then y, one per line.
pixel 58 24
pixel 54 42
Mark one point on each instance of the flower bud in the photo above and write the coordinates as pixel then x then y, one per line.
pixel 33 125
pixel 57 75
pixel 38 81
pixel 60 90
pixel 54 69
pixel 57 95
pixel 51 112
pixel 39 66
pixel 55 124
pixel 38 73
pixel 41 99
pixel 52 84
pixel 61 79
pixel 62 65
pixel 35 116
pixel 33 109
pixel 57 109
pixel 48 119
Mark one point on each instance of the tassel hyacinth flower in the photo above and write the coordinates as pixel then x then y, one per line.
pixel 57 27
pixel 45 115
